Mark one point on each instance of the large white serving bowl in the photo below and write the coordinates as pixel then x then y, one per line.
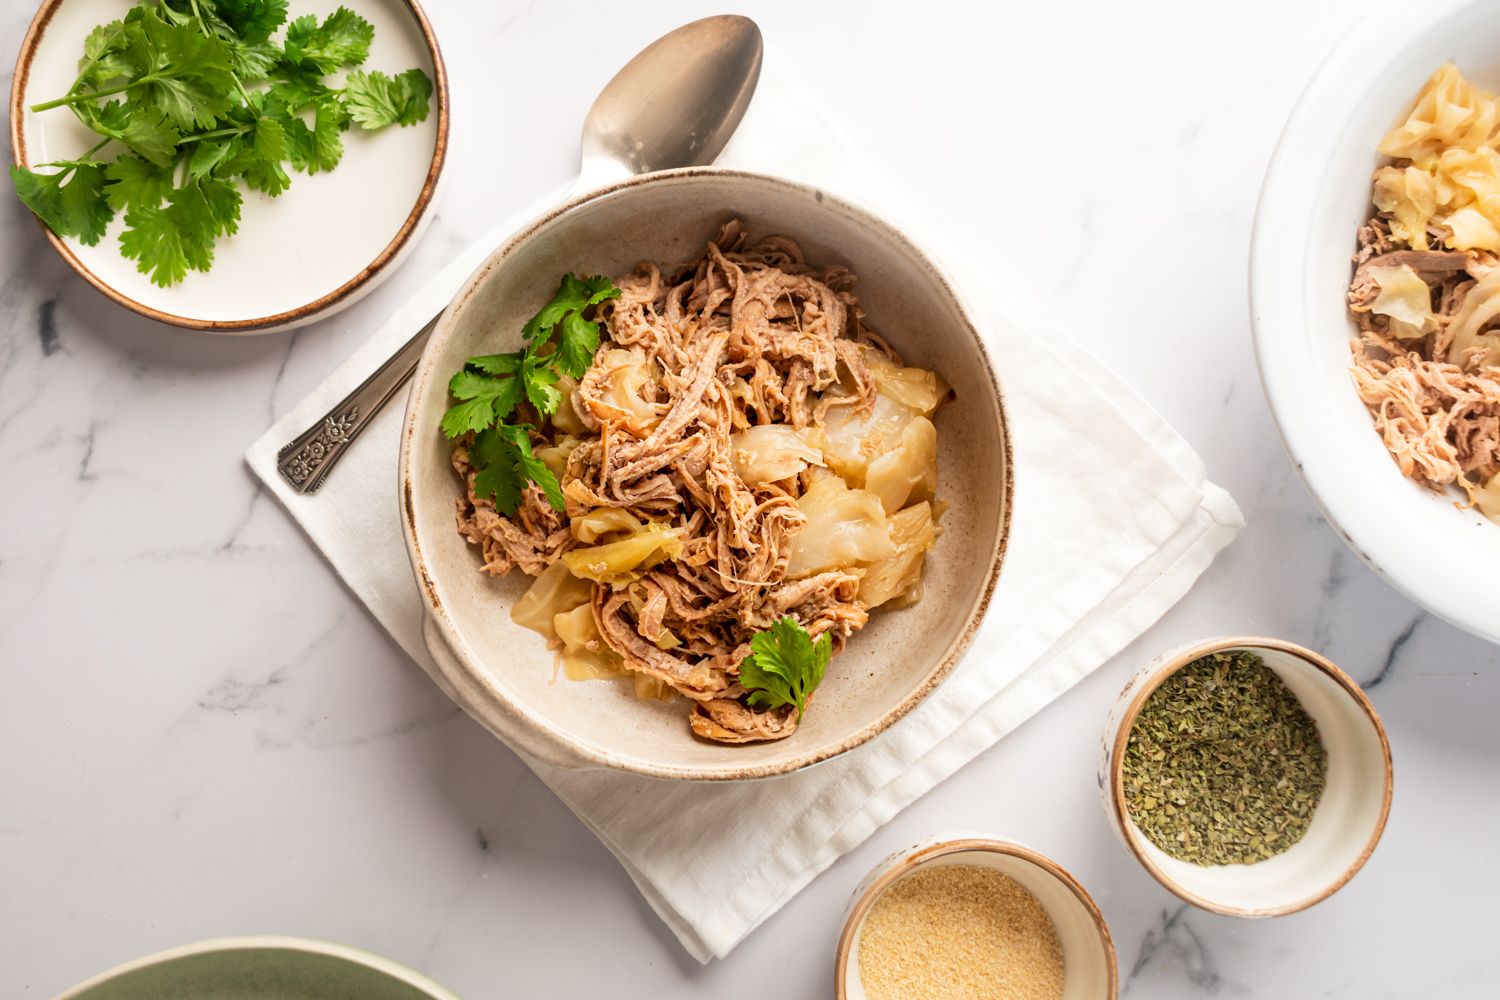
pixel 1316 194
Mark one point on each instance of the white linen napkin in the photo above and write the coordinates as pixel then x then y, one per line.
pixel 1080 580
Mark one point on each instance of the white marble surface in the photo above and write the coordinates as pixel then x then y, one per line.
pixel 203 734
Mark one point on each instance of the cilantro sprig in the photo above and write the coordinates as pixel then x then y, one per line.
pixel 560 340
pixel 197 96
pixel 785 666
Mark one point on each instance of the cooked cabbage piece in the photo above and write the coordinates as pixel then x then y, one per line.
pixel 648 688
pixel 769 453
pixel 602 521
pixel 555 456
pixel 850 439
pixel 565 418
pixel 627 559
pixel 584 656
pixel 1451 180
pixel 916 388
pixel 1471 326
pixel 1471 230
pixel 899 576
pixel 1405 298
pixel 555 591
pixel 1487 498
pixel 908 473
pixel 625 397
pixel 845 528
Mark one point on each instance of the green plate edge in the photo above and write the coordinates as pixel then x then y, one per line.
pixel 260 968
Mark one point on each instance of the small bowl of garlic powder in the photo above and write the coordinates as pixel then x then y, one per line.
pixel 967 916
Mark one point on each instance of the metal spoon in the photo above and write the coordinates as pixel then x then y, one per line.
pixel 674 105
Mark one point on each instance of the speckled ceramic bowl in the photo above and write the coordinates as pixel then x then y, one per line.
pixel 260 968
pixel 503 675
pixel 1346 825
pixel 1090 968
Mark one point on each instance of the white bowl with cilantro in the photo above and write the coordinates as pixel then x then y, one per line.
pixel 231 166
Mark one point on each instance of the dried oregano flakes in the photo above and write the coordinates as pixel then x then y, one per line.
pixel 1223 764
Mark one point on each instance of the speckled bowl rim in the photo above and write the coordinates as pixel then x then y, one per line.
pixel 588 755
pixel 311 946
pixel 1131 833
pixel 258 324
pixel 914 860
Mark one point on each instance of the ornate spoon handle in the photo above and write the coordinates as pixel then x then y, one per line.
pixel 306 462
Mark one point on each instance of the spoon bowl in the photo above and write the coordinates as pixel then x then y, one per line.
pixel 676 103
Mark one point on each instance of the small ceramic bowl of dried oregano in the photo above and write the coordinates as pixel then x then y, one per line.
pixel 965 915
pixel 1249 776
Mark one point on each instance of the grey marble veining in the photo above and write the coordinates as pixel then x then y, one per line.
pixel 203 734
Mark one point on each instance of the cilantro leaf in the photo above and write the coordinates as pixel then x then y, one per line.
pixel 168 241
pixel 270 139
pixel 254 60
pixel 785 666
pixel 504 465
pixel 490 387
pixel 530 467
pixel 580 337
pixel 495 471
pixel 145 131
pixel 297 87
pixel 186 74
pixel 104 39
pixel 266 176
pixel 155 241
pixel 207 156
pixel 343 39
pixel 251 20
pixel 300 147
pixel 327 145
pixel 497 364
pixel 131 182
pixel 103 57
pixel 70 201
pixel 576 347
pixel 222 201
pixel 151 136
pixel 486 401
pixel 376 100
pixel 540 382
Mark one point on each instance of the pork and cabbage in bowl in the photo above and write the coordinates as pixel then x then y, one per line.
pixel 715 471
pixel 1425 293
pixel 686 520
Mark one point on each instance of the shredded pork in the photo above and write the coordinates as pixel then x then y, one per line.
pixel 1433 391
pixel 749 334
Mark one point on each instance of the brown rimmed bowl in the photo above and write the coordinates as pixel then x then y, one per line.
pixel 1346 825
pixel 503 675
pixel 1091 971
pixel 318 247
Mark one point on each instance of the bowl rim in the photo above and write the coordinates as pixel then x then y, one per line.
pixel 256 324
pixel 910 861
pixel 590 756
pixel 1277 284
pixel 277 942
pixel 1180 658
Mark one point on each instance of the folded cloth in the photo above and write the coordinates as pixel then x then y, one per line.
pixel 1081 579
